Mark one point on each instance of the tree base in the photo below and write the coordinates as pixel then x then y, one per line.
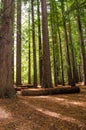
pixel 7 93
pixel 50 91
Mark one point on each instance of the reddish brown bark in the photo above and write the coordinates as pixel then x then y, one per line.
pixel 6 76
pixel 47 80
pixel 34 46
pixel 18 51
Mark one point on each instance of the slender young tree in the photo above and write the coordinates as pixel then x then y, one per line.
pixel 40 42
pixel 18 46
pixel 34 46
pixel 29 51
pixel 47 80
pixel 6 76
pixel 55 48
pixel 61 53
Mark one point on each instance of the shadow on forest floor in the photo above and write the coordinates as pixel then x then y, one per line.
pixel 56 112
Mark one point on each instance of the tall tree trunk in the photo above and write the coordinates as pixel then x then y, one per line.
pixel 54 37
pixel 34 47
pixel 54 41
pixel 18 52
pixel 6 78
pixel 54 59
pixel 61 53
pixel 81 41
pixel 40 42
pixel 13 13
pixel 47 80
pixel 29 52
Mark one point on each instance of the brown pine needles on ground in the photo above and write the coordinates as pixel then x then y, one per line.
pixel 57 112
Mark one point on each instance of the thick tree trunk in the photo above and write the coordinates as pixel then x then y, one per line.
pixel 6 77
pixel 47 80
pixel 18 51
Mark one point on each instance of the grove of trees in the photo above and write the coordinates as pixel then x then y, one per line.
pixel 42 42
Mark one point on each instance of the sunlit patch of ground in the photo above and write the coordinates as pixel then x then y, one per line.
pixel 4 114
pixel 64 101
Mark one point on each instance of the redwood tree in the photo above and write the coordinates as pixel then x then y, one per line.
pixel 18 52
pixel 6 76
pixel 47 80
pixel 34 46
pixel 40 42
pixel 29 49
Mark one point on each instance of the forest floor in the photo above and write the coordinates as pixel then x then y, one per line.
pixel 56 112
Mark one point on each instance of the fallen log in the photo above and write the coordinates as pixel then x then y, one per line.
pixel 17 88
pixel 50 91
pixel 20 88
pixel 26 85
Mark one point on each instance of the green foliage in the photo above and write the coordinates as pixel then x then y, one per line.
pixel 55 22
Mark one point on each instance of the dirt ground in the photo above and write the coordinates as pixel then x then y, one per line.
pixel 56 112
